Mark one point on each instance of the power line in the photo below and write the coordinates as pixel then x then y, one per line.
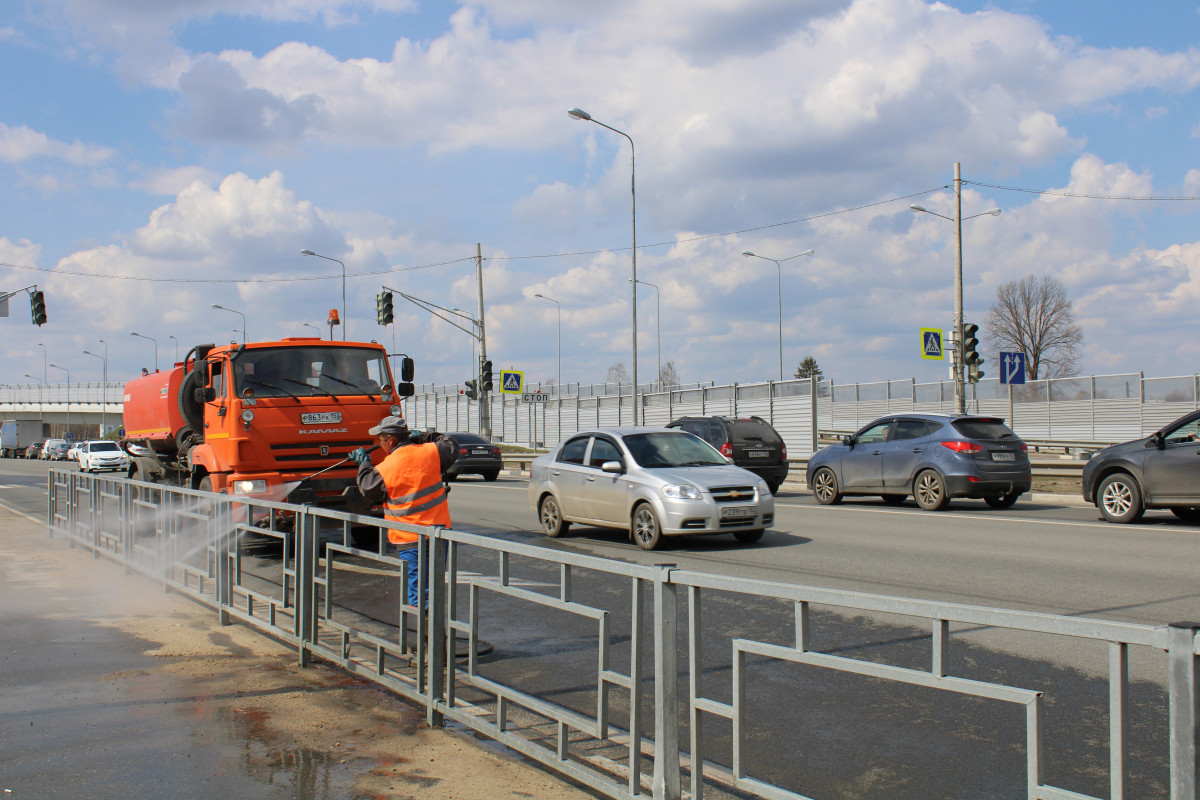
pixel 1077 195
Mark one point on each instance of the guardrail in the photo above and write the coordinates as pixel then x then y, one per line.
pixel 1048 467
pixel 581 646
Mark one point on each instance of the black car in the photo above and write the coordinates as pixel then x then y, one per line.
pixel 750 441
pixel 932 457
pixel 1160 471
pixel 476 456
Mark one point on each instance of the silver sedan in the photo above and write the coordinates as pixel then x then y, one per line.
pixel 652 482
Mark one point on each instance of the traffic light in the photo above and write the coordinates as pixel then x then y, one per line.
pixel 486 376
pixel 37 307
pixel 971 356
pixel 383 308
pixel 472 390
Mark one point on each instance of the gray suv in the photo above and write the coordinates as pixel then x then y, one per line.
pixel 1159 471
pixel 932 457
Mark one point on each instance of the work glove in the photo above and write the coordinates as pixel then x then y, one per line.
pixel 360 457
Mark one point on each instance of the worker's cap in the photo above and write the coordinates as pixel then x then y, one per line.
pixel 389 425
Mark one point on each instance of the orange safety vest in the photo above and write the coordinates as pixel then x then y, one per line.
pixel 416 493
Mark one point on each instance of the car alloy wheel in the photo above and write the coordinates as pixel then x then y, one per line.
pixel 825 487
pixel 1120 498
pixel 553 525
pixel 930 491
pixel 647 533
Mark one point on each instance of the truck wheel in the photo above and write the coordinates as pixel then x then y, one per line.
pixel 205 484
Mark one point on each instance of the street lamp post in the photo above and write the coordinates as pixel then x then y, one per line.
pixel 579 113
pixel 240 314
pixel 176 347
pixel 41 409
pixel 104 383
pixel 320 333
pixel 960 395
pixel 345 318
pixel 64 369
pixel 151 338
pixel 657 322
pixel 45 358
pixel 558 388
pixel 779 292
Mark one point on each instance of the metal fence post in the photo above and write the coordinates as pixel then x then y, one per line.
pixel 436 627
pixel 307 543
pixel 665 783
pixel 1183 710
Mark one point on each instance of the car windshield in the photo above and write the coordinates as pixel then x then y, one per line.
pixel 753 429
pixel 310 371
pixel 468 438
pixel 98 446
pixel 672 449
pixel 983 429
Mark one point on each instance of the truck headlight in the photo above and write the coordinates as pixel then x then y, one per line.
pixel 250 487
pixel 247 415
pixel 681 491
pixel 395 411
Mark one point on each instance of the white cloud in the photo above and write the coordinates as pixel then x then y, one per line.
pixel 21 144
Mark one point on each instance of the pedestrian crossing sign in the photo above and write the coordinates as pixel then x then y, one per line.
pixel 512 381
pixel 931 344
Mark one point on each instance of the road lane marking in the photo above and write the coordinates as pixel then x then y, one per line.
pixel 981 517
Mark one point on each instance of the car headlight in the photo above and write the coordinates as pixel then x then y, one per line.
pixel 681 491
pixel 250 487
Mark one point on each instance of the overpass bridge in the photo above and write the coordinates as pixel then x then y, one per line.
pixel 81 408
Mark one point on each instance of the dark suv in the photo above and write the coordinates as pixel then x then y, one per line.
pixel 750 441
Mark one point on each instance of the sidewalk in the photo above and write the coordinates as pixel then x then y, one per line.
pixel 115 689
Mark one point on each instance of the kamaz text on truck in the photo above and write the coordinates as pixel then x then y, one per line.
pixel 257 419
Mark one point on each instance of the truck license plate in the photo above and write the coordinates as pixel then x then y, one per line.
pixel 738 512
pixel 1004 456
pixel 321 418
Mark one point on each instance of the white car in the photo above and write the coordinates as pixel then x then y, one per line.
pixel 102 455
pixel 73 453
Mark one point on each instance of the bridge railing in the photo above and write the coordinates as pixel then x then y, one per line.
pixel 652 681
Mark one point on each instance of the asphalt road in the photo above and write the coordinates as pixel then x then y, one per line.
pixel 1047 554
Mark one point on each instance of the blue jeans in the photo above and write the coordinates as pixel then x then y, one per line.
pixel 410 555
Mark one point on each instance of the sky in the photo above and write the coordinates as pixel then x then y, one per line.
pixel 162 157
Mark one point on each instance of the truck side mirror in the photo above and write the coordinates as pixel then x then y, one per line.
pixel 205 394
pixel 407 370
pixel 405 389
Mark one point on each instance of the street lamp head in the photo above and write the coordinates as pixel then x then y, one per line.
pixel 579 113
pixel 916 207
pixel 748 253
pixel 995 212
pixel 134 333
pixel 808 252
pixel 214 305
pixel 307 252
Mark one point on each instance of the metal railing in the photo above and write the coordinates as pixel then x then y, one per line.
pixel 576 661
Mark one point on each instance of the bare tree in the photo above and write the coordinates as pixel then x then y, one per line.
pixel 668 376
pixel 617 373
pixel 1034 316
pixel 808 368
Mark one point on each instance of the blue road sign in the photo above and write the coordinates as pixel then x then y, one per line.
pixel 512 381
pixel 1012 368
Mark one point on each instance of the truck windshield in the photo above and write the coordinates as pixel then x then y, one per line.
pixel 316 370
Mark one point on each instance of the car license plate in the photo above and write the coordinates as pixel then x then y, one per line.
pixel 738 512
pixel 758 453
pixel 321 418
pixel 480 451
pixel 1004 456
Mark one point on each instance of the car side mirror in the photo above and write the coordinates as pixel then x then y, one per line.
pixel 1156 440
pixel 612 466
pixel 848 441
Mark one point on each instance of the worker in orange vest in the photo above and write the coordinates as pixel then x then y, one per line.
pixel 408 482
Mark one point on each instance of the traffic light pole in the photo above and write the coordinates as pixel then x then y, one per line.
pixel 485 392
